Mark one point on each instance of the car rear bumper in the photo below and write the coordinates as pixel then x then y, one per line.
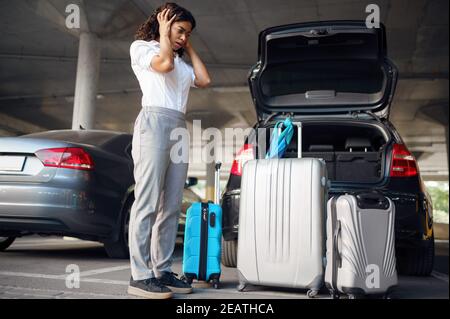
pixel 410 228
pixel 230 214
pixel 54 210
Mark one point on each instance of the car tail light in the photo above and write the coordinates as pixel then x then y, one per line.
pixel 403 162
pixel 245 153
pixel 66 157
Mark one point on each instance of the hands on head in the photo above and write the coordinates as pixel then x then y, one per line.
pixel 165 23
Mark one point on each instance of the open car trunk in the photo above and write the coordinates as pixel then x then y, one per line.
pixel 353 152
pixel 318 68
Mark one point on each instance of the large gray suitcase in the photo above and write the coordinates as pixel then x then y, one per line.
pixel 360 245
pixel 282 223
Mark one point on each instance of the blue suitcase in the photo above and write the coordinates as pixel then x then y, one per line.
pixel 202 240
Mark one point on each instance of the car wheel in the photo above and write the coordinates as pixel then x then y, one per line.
pixel 120 249
pixel 229 253
pixel 5 242
pixel 417 262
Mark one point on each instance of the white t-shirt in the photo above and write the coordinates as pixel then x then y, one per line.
pixel 168 90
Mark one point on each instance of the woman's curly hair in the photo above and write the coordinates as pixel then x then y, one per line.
pixel 150 29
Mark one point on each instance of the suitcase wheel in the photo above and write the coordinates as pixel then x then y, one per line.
pixel 335 296
pixel 187 279
pixel 215 284
pixel 312 293
pixel 353 296
pixel 241 287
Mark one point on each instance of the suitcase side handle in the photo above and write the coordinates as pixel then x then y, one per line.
pixel 372 200
pixel 336 260
pixel 336 235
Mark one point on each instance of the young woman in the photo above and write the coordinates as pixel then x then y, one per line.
pixel 165 80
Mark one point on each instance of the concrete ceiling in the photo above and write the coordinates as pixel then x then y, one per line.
pixel 38 57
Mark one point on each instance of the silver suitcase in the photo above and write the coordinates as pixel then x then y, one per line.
pixel 360 245
pixel 282 224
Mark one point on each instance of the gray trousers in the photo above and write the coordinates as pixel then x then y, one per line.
pixel 158 192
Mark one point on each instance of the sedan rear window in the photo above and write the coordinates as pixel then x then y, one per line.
pixel 95 138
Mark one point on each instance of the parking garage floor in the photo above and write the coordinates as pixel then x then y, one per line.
pixel 38 268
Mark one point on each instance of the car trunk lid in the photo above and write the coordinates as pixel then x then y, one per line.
pixel 323 68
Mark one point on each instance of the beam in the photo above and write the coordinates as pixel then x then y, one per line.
pixel 234 66
pixel 447 147
pixel 239 66
pixel 20 56
pixel 47 10
pixel 216 89
pixel 20 125
pixel 144 7
pixel 436 177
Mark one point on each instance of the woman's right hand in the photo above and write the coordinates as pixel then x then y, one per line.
pixel 165 23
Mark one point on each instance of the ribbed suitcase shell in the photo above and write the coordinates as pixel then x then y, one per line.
pixel 282 223
pixel 193 238
pixel 366 239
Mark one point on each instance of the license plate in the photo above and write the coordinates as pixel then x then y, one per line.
pixel 12 163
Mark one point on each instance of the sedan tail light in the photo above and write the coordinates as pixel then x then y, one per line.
pixel 403 162
pixel 245 153
pixel 66 157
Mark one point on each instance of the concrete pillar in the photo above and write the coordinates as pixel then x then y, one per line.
pixel 87 80
pixel 210 169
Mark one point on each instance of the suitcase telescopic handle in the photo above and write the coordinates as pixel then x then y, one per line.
pixel 299 138
pixel 217 183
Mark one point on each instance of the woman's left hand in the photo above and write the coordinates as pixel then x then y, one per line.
pixel 202 78
pixel 188 47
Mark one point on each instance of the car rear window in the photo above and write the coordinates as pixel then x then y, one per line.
pixel 340 76
pixel 95 138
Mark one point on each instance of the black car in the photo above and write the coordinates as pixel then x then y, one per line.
pixel 76 183
pixel 335 78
